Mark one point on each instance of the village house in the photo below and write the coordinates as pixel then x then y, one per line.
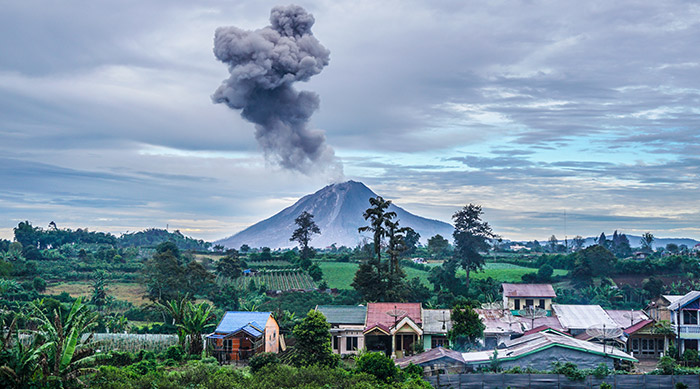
pixel 240 335
pixel 436 323
pixel 658 308
pixel 347 323
pixel 520 296
pixel 639 329
pixel 685 321
pixel 393 328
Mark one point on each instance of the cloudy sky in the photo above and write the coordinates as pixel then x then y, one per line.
pixel 533 109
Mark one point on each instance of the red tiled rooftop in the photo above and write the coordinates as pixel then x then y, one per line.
pixel 377 314
pixel 528 290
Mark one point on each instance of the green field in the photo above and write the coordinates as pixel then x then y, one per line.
pixel 340 274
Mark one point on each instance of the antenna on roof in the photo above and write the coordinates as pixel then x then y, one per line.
pixel 396 313
pixel 443 320
pixel 532 313
pixel 603 333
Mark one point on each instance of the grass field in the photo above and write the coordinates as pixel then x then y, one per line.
pixel 129 291
pixel 340 274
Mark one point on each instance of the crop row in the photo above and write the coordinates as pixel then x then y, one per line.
pixel 279 280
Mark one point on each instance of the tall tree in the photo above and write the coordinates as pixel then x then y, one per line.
pixel 377 215
pixel 647 242
pixel 397 243
pixel 602 240
pixel 230 265
pixel 438 246
pixel 471 237
pixel 195 320
pixel 306 229
pixel 552 244
pixel 467 327
pixel 578 242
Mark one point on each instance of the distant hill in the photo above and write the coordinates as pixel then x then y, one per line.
pixel 337 211
pixel 636 241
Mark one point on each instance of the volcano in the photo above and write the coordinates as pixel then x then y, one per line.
pixel 337 211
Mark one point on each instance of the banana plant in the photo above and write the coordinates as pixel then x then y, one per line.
pixel 196 320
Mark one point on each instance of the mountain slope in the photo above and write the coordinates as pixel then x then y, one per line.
pixel 337 211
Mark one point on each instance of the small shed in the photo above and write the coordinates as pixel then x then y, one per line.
pixel 240 335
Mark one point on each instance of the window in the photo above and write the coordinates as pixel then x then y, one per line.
pixel 517 303
pixel 529 303
pixel 541 303
pixel 336 343
pixel 228 344
pixel 351 343
pixel 690 317
pixel 438 341
pixel 635 345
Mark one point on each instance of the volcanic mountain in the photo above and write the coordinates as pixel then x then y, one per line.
pixel 337 211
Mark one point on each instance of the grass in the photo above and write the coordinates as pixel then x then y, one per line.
pixel 340 274
pixel 129 291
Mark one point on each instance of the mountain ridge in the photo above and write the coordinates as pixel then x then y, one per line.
pixel 337 210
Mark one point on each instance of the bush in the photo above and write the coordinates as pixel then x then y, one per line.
pixel 175 353
pixel 690 355
pixel 667 365
pixel 601 371
pixel 378 365
pixel 680 385
pixel 570 370
pixel 413 370
pixel 261 360
pixel 605 385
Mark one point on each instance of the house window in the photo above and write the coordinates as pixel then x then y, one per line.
pixel 690 317
pixel 228 344
pixel 517 303
pixel 351 343
pixel 529 303
pixel 336 343
pixel 438 341
pixel 541 303
pixel 635 345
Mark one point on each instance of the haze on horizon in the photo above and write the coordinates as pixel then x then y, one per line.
pixel 533 110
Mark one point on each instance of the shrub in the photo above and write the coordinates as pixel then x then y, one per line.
pixel 690 355
pixel 680 385
pixel 605 385
pixel 667 365
pixel 261 360
pixel 570 370
pixel 601 371
pixel 413 370
pixel 378 365
pixel 175 353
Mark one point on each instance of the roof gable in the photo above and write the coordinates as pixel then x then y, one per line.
pixel 582 316
pixel 382 314
pixel 528 290
pixel 683 302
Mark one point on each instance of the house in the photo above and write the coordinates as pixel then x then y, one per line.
pixel 519 296
pixel 347 323
pixel 436 323
pixel 499 325
pixel 436 358
pixel 685 321
pixel 393 328
pixel 658 308
pixel 536 351
pixel 641 338
pixel 240 335
pixel 576 319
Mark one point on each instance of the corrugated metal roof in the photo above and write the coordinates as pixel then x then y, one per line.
pixel 378 314
pixel 689 297
pixel 497 322
pixel 236 320
pixel 624 318
pixel 344 314
pixel 582 316
pixel 531 343
pixel 528 290
pixel 429 356
pixel 433 320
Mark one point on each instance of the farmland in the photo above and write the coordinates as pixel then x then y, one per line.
pixel 278 280
pixel 340 274
pixel 130 291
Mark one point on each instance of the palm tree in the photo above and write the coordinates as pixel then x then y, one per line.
pixel 195 321
pixel 176 310
pixel 66 356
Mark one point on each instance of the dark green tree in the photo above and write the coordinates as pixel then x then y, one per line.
pixel 593 261
pixel 378 365
pixel 315 272
pixel 471 237
pixel 647 242
pixel 438 246
pixel 467 327
pixel 411 239
pixel 99 290
pixel 302 235
pixel 230 265
pixel 314 341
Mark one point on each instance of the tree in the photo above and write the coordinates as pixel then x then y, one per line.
pixel 378 365
pixel 195 320
pixel 603 240
pixel 218 248
pixel 315 272
pixel 377 215
pixel 397 243
pixel 307 228
pixel 411 240
pixel 578 242
pixel 26 234
pixel 438 246
pixel 672 248
pixel 467 327
pixel 544 273
pixel 230 265
pixel 245 248
pixel 593 261
pixel 175 308
pixel 167 275
pixel 471 236
pixel 647 242
pixel 313 341
pixel 99 290
pixel 552 244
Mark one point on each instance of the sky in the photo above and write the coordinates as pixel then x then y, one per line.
pixel 557 117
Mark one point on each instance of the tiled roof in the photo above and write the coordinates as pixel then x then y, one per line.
pixel 433 320
pixel 378 314
pixel 343 314
pixel 233 321
pixel 638 326
pixel 528 290
pixel 624 318
pixel 582 316
pixel 544 328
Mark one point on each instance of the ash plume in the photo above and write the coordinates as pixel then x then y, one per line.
pixel 264 64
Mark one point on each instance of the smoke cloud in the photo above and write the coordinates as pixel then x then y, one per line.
pixel 264 64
